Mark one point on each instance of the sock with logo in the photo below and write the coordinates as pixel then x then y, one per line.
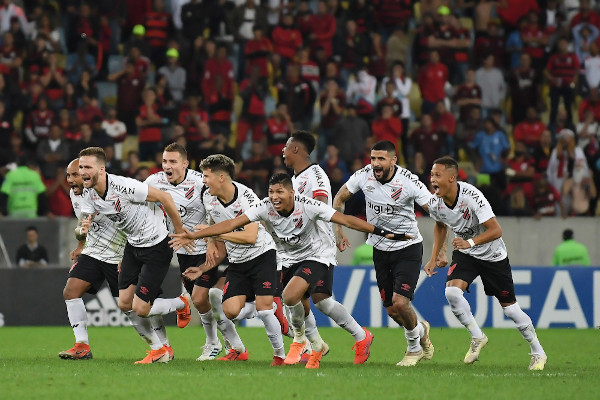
pixel 413 336
pixel 297 320
pixel 312 333
pixel 525 326
pixel 462 310
pixel 225 326
pixel 165 306
pixel 273 331
pixel 210 327
pixel 78 319
pixel 342 317
pixel 159 327
pixel 143 327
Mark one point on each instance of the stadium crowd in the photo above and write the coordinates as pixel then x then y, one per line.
pixel 509 88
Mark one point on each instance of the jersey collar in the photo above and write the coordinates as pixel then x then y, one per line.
pixel 235 196
pixel 394 174
pixel 184 178
pixel 103 196
pixel 296 175
pixel 456 199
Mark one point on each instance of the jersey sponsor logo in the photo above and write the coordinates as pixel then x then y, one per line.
pixel 389 209
pixel 474 195
pixel 248 195
pixel 406 287
pixel 396 193
pixel 117 218
pixel 121 188
pixel 76 205
pixel 319 177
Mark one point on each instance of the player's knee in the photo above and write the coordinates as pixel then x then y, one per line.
pixel 142 310
pixel 125 306
pixel 215 296
pixel 70 294
pixel 453 294
pixel 201 302
pixel 231 312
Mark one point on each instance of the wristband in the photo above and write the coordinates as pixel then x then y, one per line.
pixel 383 232
pixel 471 242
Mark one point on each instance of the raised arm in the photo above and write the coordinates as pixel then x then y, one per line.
pixel 339 204
pixel 169 206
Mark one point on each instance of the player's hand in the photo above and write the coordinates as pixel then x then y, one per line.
pixel 442 260
pixel 193 273
pixel 460 244
pixel 85 225
pixel 74 255
pixel 342 242
pixel 182 240
pixel 212 254
pixel 430 268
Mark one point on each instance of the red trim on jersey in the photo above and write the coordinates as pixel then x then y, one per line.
pixel 318 193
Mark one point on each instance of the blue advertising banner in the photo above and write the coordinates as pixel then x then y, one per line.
pixel 553 297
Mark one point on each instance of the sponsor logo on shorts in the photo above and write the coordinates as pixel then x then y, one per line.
pixel 73 266
pixel 225 287
pixel 451 269
pixel 406 287
pixel 504 293
pixel 267 285
pixel 306 271
pixel 382 293
pixel 320 283
pixel 205 278
pixel 144 290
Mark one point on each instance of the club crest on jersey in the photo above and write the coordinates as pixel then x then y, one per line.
pixel 396 193
pixel 117 205
pixel 302 187
pixel 237 214
pixel 462 207
pixel 189 193
pixel 298 222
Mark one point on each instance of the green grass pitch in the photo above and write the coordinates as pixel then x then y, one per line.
pixel 30 368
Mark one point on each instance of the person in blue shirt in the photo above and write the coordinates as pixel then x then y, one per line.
pixel 491 145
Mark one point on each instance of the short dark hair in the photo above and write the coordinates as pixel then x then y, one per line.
pixel 220 163
pixel 176 147
pixel 31 228
pixel 306 138
pixel 447 162
pixel 384 145
pixel 97 152
pixel 568 234
pixel 283 179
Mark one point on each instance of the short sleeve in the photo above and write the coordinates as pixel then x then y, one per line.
pixel 319 210
pixel 354 183
pixel 135 190
pixel 258 211
pixel 248 198
pixel 39 185
pixel 421 193
pixel 433 209
pixel 482 209
pixel 87 206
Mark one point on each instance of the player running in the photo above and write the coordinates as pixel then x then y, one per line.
pixel 186 188
pixel 252 268
pixel 390 193
pixel 147 255
pixel 478 251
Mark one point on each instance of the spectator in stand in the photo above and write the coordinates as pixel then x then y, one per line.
pixel 443 39
pixel 510 11
pixel 397 47
pixel 113 165
pixel 81 60
pixel 137 39
pixel 520 170
pixel 391 13
pixel 38 121
pixel 492 147
pixel 52 152
pixel 583 36
pixel 432 80
pixel 349 135
pixel 32 254
pixel 132 164
pixel 562 72
pixel 586 15
pixel 286 39
pixel 303 19
pixel 592 103
pixel 69 100
pixel 354 47
pixel 88 110
pixel 426 140
pixel 278 130
pixel 565 157
pixel 86 86
pixel 258 51
pixel 175 75
pixel 514 45
pixel 332 162
pixel 299 95
pixel 491 41
pixel 190 118
pixel 253 92
pixel 116 130
pixel 6 128
pixel 256 169
pixel 391 100
pixel 460 55
pixel 217 65
pixel 193 19
pixel 421 47
pixel 468 96
pixel 129 93
pixel 361 92
pixel 142 63
pixel 332 103
pixel 579 191
pixel 99 135
pixel 243 20
pixel 10 57
pixel 322 28
pixel 535 40
pixel 541 154
pixel 220 107
pixel 57 191
pixel 545 199
pixel 591 67
pixel 149 123
pixel 309 69
pixel 402 88
pixel 159 27
pixel 23 194
pixel 529 131
pixel 493 87
pixel 524 87
pixel 194 61
pixel 570 252
pixel 9 11
pixel 387 126
pixel 588 135
pixel 53 79
pixel 445 123
pixel 465 133
pixel 363 12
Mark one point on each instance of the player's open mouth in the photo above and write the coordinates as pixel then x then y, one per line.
pixel 86 179
pixel 169 173
pixel 276 203
pixel 436 188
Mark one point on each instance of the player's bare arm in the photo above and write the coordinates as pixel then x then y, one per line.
pixel 440 232
pixel 246 236
pixel 363 226
pixel 493 231
pixel 83 226
pixel 74 254
pixel 221 229
pixel 193 273
pixel 339 204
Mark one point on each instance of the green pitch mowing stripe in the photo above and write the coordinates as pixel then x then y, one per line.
pixel 30 368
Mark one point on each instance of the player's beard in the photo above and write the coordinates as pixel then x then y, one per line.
pixel 384 174
pixel 94 180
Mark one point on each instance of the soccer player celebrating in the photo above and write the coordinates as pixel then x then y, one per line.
pixel 305 250
pixel 186 188
pixel 478 251
pixel 251 251
pixel 390 193
pixel 131 206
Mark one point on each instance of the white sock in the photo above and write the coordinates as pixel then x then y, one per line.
pixel 166 306
pixel 159 327
pixel 78 319
pixel 273 331
pixel 225 326
pixel 462 310
pixel 312 333
pixel 247 312
pixel 143 326
pixel 342 317
pixel 297 313
pixel 525 326
pixel 413 338
pixel 210 327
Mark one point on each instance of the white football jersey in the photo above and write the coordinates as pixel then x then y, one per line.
pixel 104 241
pixel 187 196
pixel 243 199
pixel 313 182
pixel 391 205
pixel 466 217
pixel 298 236
pixel 124 203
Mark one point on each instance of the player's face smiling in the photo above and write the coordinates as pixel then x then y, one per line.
pixel 89 170
pixel 174 166
pixel 74 179
pixel 281 197
pixel 211 180
pixel 383 163
pixel 441 180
